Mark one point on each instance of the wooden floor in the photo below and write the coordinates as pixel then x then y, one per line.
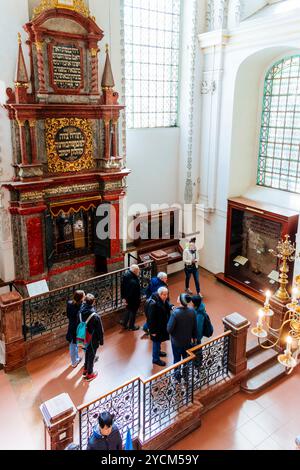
pixel 268 421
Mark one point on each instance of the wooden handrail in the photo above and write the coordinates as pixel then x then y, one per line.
pixel 84 281
pixel 159 374
pixel 201 346
pixel 79 408
pixel 75 284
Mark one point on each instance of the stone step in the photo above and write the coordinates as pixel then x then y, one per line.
pixel 260 359
pixel 252 346
pixel 263 378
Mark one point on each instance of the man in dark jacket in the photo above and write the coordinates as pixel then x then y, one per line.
pixel 158 317
pixel 131 293
pixel 73 307
pixel 161 280
pixel 106 436
pixel 95 330
pixel 182 327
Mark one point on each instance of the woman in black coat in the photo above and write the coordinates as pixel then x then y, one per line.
pixel 73 307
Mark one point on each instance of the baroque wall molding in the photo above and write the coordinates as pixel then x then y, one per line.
pixel 123 81
pixel 208 87
pixel 188 192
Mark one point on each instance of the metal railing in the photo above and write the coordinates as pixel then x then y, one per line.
pixel 148 407
pixel 45 313
pixel 123 403
pixel 211 361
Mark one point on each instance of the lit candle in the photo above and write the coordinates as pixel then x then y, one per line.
pixel 260 319
pixel 268 296
pixel 288 345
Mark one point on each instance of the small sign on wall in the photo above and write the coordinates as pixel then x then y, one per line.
pixel 37 288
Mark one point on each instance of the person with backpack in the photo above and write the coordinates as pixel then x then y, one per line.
pixel 89 334
pixel 204 326
pixel 73 307
pixel 158 316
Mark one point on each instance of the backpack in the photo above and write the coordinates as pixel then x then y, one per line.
pixel 83 337
pixel 208 329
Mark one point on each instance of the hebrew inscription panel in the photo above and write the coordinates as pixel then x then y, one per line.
pixel 67 70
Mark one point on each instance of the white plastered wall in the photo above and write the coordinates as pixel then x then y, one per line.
pixel 248 51
pixel 14 14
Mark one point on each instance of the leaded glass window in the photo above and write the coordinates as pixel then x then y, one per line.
pixel 279 153
pixel 152 45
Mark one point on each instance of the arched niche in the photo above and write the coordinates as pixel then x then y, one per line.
pixel 247 110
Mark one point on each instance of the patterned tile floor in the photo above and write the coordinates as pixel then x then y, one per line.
pixel 266 421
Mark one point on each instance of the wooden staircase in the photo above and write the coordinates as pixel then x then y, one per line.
pixel 264 368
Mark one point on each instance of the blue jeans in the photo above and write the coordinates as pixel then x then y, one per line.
pixel 156 345
pixel 74 353
pixel 178 353
pixel 188 273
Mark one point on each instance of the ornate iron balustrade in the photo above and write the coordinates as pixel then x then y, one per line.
pixel 44 313
pixel 165 395
pixel 123 403
pixel 147 407
pixel 211 361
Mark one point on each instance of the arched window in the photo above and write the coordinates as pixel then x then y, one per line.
pixel 152 44
pixel 279 152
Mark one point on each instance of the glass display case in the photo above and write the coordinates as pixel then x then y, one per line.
pixel 253 229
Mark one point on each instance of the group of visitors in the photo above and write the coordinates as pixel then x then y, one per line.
pixel 183 324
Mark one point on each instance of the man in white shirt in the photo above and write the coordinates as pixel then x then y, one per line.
pixel 190 259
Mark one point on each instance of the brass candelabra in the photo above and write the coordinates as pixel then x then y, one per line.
pixel 285 253
pixel 289 331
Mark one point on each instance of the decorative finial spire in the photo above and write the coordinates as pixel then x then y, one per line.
pixel 106 48
pixel 21 73
pixel 107 79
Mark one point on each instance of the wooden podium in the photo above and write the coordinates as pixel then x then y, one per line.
pixel 254 228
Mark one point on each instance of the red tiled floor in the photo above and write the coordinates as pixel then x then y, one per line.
pixel 125 355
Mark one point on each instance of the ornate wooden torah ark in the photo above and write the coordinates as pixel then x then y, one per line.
pixel 65 135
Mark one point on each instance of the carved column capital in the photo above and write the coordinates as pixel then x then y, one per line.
pixel 32 122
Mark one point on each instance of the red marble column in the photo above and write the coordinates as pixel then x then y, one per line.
pixel 24 155
pixel 107 139
pixel 34 228
pixel 115 138
pixel 41 67
pixel 32 124
pixel 115 246
pixel 95 75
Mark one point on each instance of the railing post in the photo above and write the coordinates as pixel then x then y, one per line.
pixel 238 325
pixel 59 415
pixel 160 262
pixel 11 314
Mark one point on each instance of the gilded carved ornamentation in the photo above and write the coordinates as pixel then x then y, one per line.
pixel 78 188
pixel 31 196
pixel 75 5
pixel 60 165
